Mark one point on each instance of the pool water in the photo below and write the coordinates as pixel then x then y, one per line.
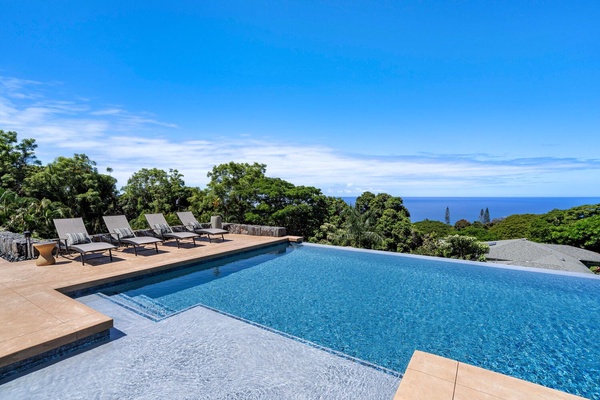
pixel 380 307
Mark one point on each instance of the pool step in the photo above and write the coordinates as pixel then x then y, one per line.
pixel 143 305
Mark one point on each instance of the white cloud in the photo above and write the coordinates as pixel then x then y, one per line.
pixel 111 136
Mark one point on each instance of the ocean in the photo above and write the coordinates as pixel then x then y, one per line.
pixel 434 208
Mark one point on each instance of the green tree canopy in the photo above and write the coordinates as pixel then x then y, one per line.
pixel 358 230
pixel 461 224
pixel 20 214
pixel 428 227
pixel 76 184
pixel 453 246
pixel 203 203
pixel 544 228
pixel 235 187
pixel 331 229
pixel 16 160
pixel 301 209
pixel 513 227
pixel 154 190
pixel 584 233
pixel 391 220
pixel 464 248
pixel 478 231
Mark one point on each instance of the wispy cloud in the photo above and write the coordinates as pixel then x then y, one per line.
pixel 127 141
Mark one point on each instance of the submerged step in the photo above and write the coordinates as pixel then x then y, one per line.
pixel 143 305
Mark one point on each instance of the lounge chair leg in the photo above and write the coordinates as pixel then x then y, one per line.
pixel 110 254
pixel 194 240
pixel 156 247
pixel 177 242
pixel 82 260
pixel 135 250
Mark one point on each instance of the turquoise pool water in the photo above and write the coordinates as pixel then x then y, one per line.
pixel 380 307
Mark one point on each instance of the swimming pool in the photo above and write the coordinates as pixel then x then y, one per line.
pixel 380 307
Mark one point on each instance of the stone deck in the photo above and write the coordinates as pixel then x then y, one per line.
pixel 431 377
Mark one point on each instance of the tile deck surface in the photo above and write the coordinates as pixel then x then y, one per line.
pixel 431 377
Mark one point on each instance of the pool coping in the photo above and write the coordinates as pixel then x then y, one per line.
pixel 432 377
pixel 535 270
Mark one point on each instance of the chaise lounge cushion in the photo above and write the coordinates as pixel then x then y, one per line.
pixel 124 233
pixel 77 238
pixel 162 228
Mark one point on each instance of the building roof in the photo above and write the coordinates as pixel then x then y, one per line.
pixel 540 255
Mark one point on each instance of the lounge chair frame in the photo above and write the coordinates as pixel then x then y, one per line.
pixel 75 225
pixel 154 219
pixel 189 221
pixel 113 222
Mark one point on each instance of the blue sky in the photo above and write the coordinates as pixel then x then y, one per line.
pixel 412 98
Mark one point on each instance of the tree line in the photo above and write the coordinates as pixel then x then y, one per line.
pixel 32 195
pixel 577 226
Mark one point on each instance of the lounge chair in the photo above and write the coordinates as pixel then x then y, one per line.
pixel 190 222
pixel 72 231
pixel 160 226
pixel 121 231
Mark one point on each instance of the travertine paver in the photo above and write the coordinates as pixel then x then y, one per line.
pixel 36 317
pixel 433 377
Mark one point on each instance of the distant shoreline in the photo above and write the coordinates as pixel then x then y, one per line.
pixel 434 208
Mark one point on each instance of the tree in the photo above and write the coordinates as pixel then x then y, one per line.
pixel 396 231
pixel 363 202
pixel 428 227
pixel 203 203
pixel 76 184
pixel 447 217
pixel 549 227
pixel 19 214
pixel 391 220
pixel 513 227
pixel 331 228
pixel 357 230
pixel 300 209
pixel 234 185
pixel 584 233
pixel 486 216
pixel 243 194
pixel 461 224
pixel 464 248
pixel 150 191
pixel 17 160
pixel 453 246
pixel 478 231
pixel 481 217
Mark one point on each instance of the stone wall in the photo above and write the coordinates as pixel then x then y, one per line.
pixel 13 246
pixel 255 230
